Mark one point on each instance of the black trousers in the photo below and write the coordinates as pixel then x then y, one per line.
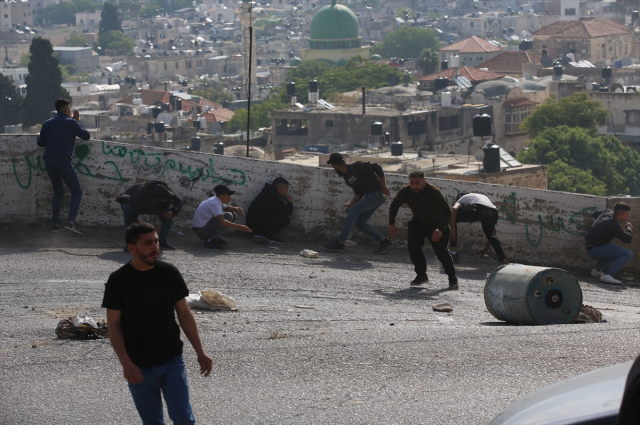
pixel 417 233
pixel 268 226
pixel 488 217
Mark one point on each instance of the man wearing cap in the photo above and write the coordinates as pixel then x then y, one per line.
pixel 214 216
pixel 431 215
pixel 598 242
pixel 153 197
pixel 368 182
pixel 270 211
pixel 472 207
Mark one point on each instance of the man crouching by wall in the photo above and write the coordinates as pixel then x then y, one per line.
pixel 214 216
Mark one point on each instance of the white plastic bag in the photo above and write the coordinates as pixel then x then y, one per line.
pixel 217 300
pixel 309 253
pixel 83 319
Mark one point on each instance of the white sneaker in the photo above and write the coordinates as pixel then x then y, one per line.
pixel 605 278
pixel 595 273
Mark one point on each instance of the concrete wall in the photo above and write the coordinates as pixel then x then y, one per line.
pixel 535 226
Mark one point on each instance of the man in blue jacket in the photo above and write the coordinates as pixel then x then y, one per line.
pixel 58 137
pixel 270 211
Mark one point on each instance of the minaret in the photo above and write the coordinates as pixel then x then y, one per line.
pixel 246 21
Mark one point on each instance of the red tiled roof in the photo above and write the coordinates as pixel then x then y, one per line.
pixel 472 44
pixel 584 28
pixel 187 104
pixel 216 115
pixel 473 74
pixel 149 97
pixel 520 101
pixel 509 62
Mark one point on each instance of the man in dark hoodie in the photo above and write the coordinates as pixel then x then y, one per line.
pixel 154 198
pixel 599 246
pixel 58 137
pixel 370 191
pixel 270 211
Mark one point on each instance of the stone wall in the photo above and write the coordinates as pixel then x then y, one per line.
pixel 536 226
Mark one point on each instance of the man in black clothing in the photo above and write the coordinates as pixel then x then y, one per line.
pixel 598 240
pixel 368 182
pixel 270 211
pixel 153 197
pixel 431 216
pixel 141 299
pixel 472 207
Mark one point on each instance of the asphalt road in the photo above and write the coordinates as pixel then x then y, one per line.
pixel 337 339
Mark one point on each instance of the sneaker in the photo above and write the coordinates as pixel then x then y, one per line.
pixel 453 283
pixel 595 273
pixel 55 228
pixel 260 239
pixel 221 242
pixel 276 239
pixel 334 246
pixel 213 245
pixel 607 278
pixel 165 245
pixel 73 228
pixel 455 256
pixel 384 245
pixel 419 280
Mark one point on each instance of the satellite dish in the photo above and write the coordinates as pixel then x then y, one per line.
pixel 607 62
pixel 620 81
pixel 589 87
pixel 479 155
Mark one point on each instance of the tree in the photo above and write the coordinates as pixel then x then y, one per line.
pixel 308 70
pixel 43 83
pixel 428 61
pixel 576 110
pixel 25 58
pixel 405 11
pixel 117 41
pixel 61 13
pixel 615 166
pixel 407 42
pixel 212 94
pixel 75 40
pixel 260 115
pixel 10 102
pixel 109 19
pixel 565 178
pixel 85 6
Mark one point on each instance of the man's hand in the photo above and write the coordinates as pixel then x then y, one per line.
pixel 437 234
pixel 244 229
pixel 347 206
pixel 386 191
pixel 236 210
pixel 453 236
pixel 76 115
pixel 167 215
pixel 393 231
pixel 132 373
pixel 288 198
pixel 629 226
pixel 206 364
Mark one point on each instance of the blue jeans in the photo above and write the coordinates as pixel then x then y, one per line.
pixel 165 228
pixel 60 170
pixel 608 253
pixel 170 379
pixel 359 215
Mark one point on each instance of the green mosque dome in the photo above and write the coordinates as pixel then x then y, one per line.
pixel 295 62
pixel 375 58
pixel 335 22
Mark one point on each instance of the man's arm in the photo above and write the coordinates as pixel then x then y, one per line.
pixel 452 222
pixel 377 169
pixel 131 372
pixel 190 329
pixel 81 132
pixel 624 235
pixel 393 212
pixel 356 198
pixel 42 137
pixel 444 205
pixel 225 223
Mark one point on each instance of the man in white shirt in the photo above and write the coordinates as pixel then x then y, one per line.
pixel 214 216
pixel 472 207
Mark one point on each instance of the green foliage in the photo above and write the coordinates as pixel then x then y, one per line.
pixel 565 178
pixel 410 12
pixel 407 42
pixel 150 10
pixel 61 13
pixel 75 40
pixel 576 110
pixel 181 4
pixel 116 40
pixel 428 61
pixel 109 19
pixel 212 94
pixel 25 58
pixel 43 83
pixel 615 166
pixel 10 102
pixel 260 115
pixel 308 70
pixel 85 6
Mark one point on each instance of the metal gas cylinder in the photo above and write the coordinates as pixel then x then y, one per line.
pixel 530 295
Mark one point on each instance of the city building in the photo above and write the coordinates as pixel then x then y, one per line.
pixel 83 58
pixel 88 18
pixel 509 62
pixel 472 51
pixel 474 75
pixel 15 13
pixel 16 75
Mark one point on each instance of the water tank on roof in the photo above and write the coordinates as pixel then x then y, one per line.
pixel 396 149
pixel 482 125
pixel 557 70
pixel 218 148
pixel 313 86
pixel 155 111
pixel 179 105
pixel 606 72
pixel 159 127
pixel 455 61
pixel 225 103
pixel 195 143
pixel 491 161
pixel 444 65
pixel 150 127
pixel 291 89
pixel 445 99
pixel 376 128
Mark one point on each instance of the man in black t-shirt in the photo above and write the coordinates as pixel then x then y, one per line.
pixel 140 299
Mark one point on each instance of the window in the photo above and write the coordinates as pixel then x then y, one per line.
pixel 416 127
pixel 81 21
pixel 6 16
pixel 448 123
pixel 479 59
pixel 570 12
pixel 78 89
pixel 328 123
pixel 514 115
pixel 187 64
pixel 177 65
pixel 633 117
pixel 165 66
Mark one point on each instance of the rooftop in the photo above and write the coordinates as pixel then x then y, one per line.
pixel 584 28
pixel 473 74
pixel 509 62
pixel 472 44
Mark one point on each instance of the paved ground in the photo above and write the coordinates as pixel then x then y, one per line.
pixel 368 350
